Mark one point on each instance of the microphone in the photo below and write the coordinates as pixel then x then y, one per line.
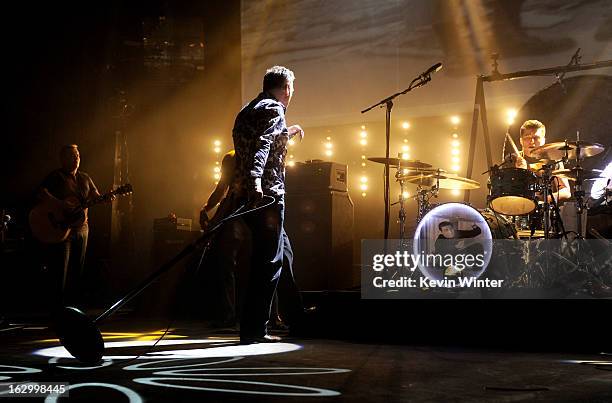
pixel 436 67
pixel 6 219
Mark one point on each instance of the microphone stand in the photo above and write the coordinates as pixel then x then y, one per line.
pixel 4 220
pixel 388 104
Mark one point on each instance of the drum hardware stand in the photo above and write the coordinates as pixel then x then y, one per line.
pixel 580 264
pixel 422 203
pixel 402 214
pixel 579 192
pixel 402 210
pixel 423 196
pixel 547 179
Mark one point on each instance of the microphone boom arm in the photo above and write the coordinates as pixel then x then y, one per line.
pixel 420 81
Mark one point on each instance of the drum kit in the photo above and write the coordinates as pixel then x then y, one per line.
pixel 518 196
pixel 519 192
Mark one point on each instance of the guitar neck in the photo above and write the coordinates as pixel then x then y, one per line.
pixel 107 197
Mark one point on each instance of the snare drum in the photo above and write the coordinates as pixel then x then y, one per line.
pixel 513 191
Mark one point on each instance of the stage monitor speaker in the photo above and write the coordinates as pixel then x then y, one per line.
pixel 320 227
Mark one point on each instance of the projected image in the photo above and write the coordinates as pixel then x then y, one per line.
pixel 454 240
pixel 381 44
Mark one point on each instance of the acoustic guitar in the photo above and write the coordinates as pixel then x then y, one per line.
pixel 52 220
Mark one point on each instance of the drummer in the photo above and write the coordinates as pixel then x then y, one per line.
pixel 533 135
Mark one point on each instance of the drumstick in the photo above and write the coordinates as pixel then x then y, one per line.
pixel 516 151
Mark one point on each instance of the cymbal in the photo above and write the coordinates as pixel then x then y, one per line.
pixel 422 180
pixel 447 181
pixel 419 176
pixel 395 162
pixel 459 183
pixel 556 151
pixel 572 174
pixel 417 172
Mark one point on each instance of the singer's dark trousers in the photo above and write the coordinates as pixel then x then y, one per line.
pixel 290 306
pixel 266 227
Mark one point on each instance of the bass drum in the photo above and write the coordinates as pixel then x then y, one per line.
pixel 458 228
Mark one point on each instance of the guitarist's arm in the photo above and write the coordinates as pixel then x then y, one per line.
pixel 225 181
pixel 43 194
pixel 216 196
pixel 212 202
pixel 48 188
pixel 92 195
pixel 93 190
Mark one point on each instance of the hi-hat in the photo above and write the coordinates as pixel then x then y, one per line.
pixel 572 174
pixel 396 162
pixel 556 151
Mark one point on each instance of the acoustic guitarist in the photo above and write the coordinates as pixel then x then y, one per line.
pixel 71 187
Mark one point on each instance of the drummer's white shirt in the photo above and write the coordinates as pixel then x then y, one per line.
pixel 599 186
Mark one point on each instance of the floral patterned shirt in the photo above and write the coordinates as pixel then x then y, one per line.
pixel 260 140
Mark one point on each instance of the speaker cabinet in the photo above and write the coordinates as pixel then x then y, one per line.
pixel 317 176
pixel 163 295
pixel 320 227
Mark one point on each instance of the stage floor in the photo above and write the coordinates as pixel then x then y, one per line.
pixel 195 364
